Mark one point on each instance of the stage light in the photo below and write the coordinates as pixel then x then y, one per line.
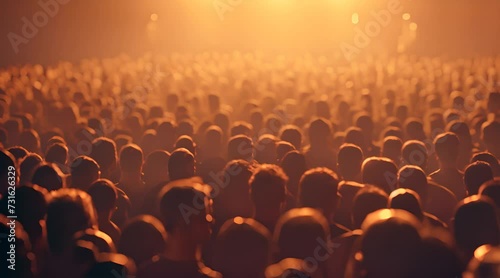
pixel 355 18
pixel 154 17
pixel 413 26
pixel 406 16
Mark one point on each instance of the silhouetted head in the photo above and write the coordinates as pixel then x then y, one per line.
pixel 414 178
pixel 414 153
pixel 104 153
pixel 28 166
pixel 30 140
pixel 131 159
pixel 390 244
pixel 186 142
pixel 406 199
pixel 491 189
pixel 57 153
pixel 490 159
pixel 282 148
pixel 292 134
pixel 319 132
pixel 318 189
pixel 268 187
pixel 391 148
pixel 350 159
pixel 447 147
pixel 84 171
pixel 241 128
pixel 156 167
pixel 181 164
pixel 290 268
pixel 265 149
pixel 68 211
pixel 490 134
pixel 185 211
pixel 475 175
pixel 475 224
pixel 299 232
pixel 104 196
pixel 18 152
pixel 242 248
pixel 381 172
pixel 152 237
pixel 414 129
pixel 48 176
pixel 240 147
pixel 294 165
pixel 367 200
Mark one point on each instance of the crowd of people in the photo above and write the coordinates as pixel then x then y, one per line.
pixel 250 166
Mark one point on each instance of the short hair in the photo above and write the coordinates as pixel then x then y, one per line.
pixel 488 158
pixel 318 189
pixel 18 152
pixel 104 195
pixel 84 171
pixel 48 176
pixel 240 147
pixel 181 164
pixel 381 172
pixel 68 211
pixel 268 186
pixel 475 175
pixel 131 158
pixel 28 166
pixel 447 146
pixel 242 248
pixel 144 227
pixel 319 129
pixel 292 134
pixel 414 152
pixel 156 161
pixel 186 142
pixel 406 199
pixel 350 158
pixel 491 189
pixel 490 132
pixel 57 153
pixel 391 148
pixel 282 148
pixel 367 200
pixel 297 232
pixel 177 207
pixel 414 178
pixel 30 140
pixel 104 152
pixel 241 128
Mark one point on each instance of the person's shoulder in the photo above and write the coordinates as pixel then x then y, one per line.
pixel 337 230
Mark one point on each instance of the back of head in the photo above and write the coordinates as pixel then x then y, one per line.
pixel 319 130
pixel 392 148
pixel 350 158
pixel 292 134
pixel 18 152
pixel 104 195
pixel 156 166
pixel 475 175
pixel 290 268
pixel 48 176
pixel 84 171
pixel 152 234
pixel 183 207
pixel 406 199
pixel 355 136
pixel 28 166
pixel 186 142
pixel 381 172
pixel 318 189
pixel 491 189
pixel 447 146
pixel 414 153
pixel 490 159
pixel 282 148
pixel 294 164
pixel 475 224
pixel 104 153
pixel 242 248
pixel 298 231
pixel 30 140
pixel 265 149
pixel 366 201
pixel 268 186
pixel 490 134
pixel 68 211
pixel 240 147
pixel 414 129
pixel 414 178
pixel 131 158
pixel 390 244
pixel 181 164
pixel 57 153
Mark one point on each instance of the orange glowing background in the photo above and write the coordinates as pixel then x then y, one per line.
pixel 104 28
